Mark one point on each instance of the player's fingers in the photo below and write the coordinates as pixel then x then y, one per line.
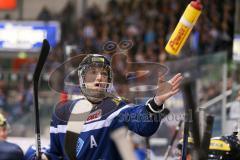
pixel 175 91
pixel 176 86
pixel 175 78
pixel 163 87
pixel 178 80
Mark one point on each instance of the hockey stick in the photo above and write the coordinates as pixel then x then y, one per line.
pixel 206 137
pixel 190 112
pixel 148 148
pixel 172 140
pixel 36 75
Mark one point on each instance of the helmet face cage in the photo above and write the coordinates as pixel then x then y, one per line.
pixel 82 73
pixel 85 66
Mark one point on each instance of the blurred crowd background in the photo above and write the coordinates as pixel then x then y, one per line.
pixel 147 23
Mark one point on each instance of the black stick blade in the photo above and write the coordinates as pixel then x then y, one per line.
pixel 42 58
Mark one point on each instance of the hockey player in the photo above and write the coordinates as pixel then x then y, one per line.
pixel 220 148
pixel 108 114
pixel 224 148
pixel 8 151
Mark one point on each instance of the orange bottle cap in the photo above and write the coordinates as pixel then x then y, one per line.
pixel 197 5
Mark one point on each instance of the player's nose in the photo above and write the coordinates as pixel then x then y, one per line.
pixel 99 77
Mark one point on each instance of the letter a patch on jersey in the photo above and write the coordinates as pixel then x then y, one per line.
pixel 93 142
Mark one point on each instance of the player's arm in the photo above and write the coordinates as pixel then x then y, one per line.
pixel 141 120
pixel 145 119
pixel 57 132
pixel 54 152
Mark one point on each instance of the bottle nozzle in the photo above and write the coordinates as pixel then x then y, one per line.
pixel 197 4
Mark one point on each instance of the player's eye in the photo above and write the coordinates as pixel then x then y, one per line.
pixel 105 74
pixel 93 71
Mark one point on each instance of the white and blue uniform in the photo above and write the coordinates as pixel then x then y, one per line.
pixel 94 142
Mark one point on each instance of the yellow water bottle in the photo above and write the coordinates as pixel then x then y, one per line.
pixel 184 27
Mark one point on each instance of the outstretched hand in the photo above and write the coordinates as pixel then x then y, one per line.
pixel 167 89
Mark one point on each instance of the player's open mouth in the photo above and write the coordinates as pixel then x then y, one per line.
pixel 99 85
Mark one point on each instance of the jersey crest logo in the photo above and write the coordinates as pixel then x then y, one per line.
pixel 96 115
pixel 79 146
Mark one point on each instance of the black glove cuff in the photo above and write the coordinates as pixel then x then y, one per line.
pixel 152 107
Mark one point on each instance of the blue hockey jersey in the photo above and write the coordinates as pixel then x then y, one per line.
pixel 10 151
pixel 94 142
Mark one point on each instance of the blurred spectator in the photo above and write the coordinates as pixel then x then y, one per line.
pixel 67 19
pixel 141 150
pixel 3 98
pixel 22 62
pixel 7 17
pixel 45 14
pixel 27 99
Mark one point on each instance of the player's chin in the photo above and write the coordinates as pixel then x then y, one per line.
pixel 99 92
pixel 97 88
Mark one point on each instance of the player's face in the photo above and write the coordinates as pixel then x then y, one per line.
pixel 96 78
pixel 3 133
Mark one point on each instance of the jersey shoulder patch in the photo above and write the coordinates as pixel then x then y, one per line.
pixel 118 100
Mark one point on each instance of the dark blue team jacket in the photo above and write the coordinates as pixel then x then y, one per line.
pixel 10 151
